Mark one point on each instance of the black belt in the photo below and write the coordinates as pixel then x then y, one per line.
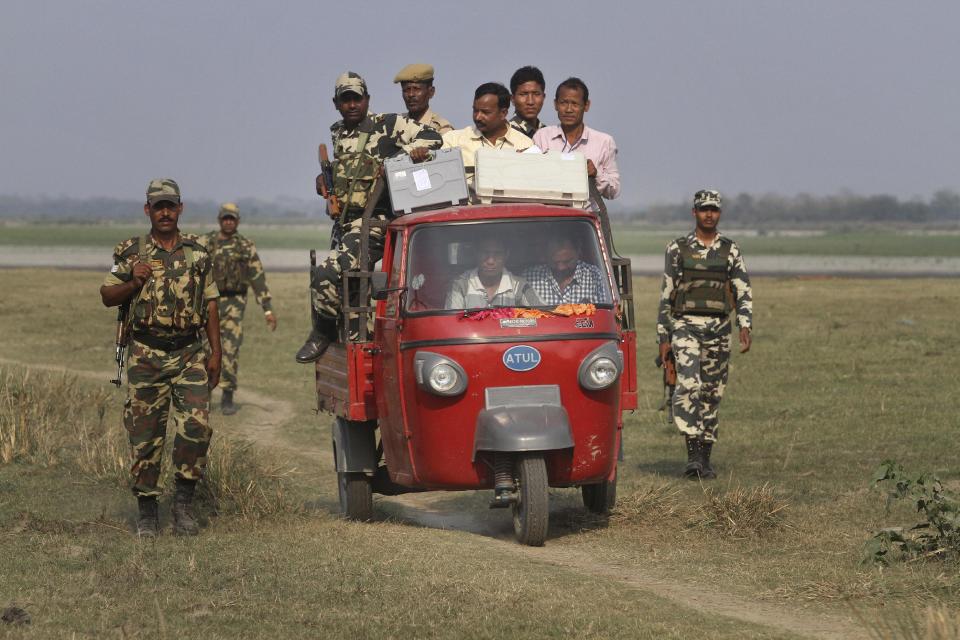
pixel 239 292
pixel 165 344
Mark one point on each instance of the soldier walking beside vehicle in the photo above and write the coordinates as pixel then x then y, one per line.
pixel 166 279
pixel 704 282
pixel 361 142
pixel 236 267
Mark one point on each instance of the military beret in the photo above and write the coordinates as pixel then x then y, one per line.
pixel 228 210
pixel 415 73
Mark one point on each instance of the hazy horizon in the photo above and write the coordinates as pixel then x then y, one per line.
pixel 758 97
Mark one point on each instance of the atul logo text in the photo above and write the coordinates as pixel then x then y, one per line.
pixel 521 358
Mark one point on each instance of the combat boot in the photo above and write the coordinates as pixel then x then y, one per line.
pixel 323 333
pixel 694 468
pixel 184 524
pixel 226 403
pixel 148 521
pixel 708 472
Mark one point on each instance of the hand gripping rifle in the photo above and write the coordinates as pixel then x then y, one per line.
pixel 121 340
pixel 325 184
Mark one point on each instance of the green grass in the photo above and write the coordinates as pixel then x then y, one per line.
pixel 862 243
pixel 842 374
pixel 629 239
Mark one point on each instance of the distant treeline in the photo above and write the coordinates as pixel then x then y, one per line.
pixel 743 210
pixel 776 211
pixel 116 210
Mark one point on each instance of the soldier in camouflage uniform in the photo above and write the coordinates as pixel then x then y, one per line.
pixel 529 90
pixel 704 282
pixel 166 278
pixel 416 82
pixel 361 142
pixel 236 267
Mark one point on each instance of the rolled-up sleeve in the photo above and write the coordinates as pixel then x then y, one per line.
pixel 608 174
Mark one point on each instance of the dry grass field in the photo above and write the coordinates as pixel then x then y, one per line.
pixel 843 374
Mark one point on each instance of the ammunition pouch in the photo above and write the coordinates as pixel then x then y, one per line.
pixel 172 300
pixel 230 272
pixel 354 174
pixel 704 287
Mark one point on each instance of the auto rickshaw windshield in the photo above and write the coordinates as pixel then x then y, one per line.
pixel 538 263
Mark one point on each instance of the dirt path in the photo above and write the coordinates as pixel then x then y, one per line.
pixel 422 509
pixel 261 419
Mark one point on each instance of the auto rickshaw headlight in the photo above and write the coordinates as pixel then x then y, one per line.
pixel 439 374
pixel 443 378
pixel 601 368
pixel 602 373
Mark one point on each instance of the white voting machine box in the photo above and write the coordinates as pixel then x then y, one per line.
pixel 430 184
pixel 557 178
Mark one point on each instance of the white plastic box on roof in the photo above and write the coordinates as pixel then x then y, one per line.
pixel 553 178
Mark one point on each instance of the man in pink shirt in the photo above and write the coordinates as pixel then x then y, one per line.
pixel 571 101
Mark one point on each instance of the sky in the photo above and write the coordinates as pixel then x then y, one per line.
pixel 232 98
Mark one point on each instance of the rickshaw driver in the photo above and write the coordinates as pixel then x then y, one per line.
pixel 490 284
pixel 566 278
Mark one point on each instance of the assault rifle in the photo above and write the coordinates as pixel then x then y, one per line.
pixel 121 340
pixel 325 184
pixel 669 379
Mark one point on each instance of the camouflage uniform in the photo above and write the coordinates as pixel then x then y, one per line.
pixel 167 360
pixel 435 121
pixel 701 343
pixel 236 266
pixel 355 171
pixel 519 124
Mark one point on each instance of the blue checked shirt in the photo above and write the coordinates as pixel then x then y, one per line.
pixel 587 285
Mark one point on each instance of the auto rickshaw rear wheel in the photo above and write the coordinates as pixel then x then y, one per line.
pixel 600 498
pixel 532 509
pixel 356 496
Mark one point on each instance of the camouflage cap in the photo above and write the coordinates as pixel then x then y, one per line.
pixel 160 189
pixel 350 82
pixel 415 73
pixel 707 198
pixel 228 210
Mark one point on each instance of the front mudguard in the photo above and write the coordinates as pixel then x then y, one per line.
pixel 523 428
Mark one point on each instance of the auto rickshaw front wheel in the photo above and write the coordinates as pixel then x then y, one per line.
pixel 356 496
pixel 600 498
pixel 531 511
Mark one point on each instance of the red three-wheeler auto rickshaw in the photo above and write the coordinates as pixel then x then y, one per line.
pixel 461 386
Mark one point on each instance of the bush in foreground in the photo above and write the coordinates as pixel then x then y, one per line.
pixel 52 419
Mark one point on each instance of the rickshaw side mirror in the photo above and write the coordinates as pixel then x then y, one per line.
pixel 378 286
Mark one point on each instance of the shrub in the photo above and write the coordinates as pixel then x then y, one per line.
pixel 937 535
pixel 742 512
pixel 41 413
